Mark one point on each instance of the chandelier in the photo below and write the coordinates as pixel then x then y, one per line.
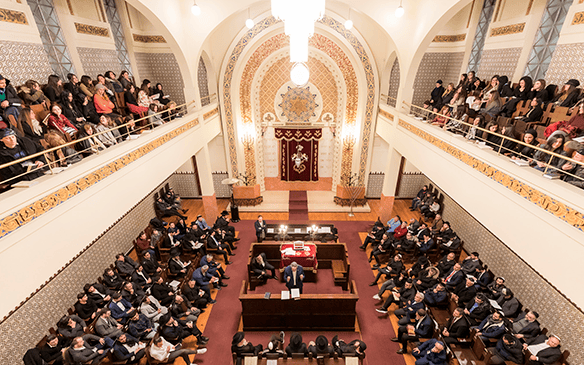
pixel 299 17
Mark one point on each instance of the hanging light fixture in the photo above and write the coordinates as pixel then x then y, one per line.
pixel 249 23
pixel 299 74
pixel 349 22
pixel 399 12
pixel 299 17
pixel 195 9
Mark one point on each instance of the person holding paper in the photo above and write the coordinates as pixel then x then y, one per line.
pixel 260 228
pixel 294 276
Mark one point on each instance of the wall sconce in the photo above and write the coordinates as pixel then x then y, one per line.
pixel 247 141
pixel 349 137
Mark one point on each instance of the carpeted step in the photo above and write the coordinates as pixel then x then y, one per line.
pixel 294 205
pixel 298 196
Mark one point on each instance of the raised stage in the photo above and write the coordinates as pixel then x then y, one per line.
pixel 318 201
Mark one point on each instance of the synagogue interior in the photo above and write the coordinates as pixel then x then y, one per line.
pixel 291 182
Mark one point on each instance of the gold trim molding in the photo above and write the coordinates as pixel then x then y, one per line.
pixel 18 219
pixel 449 38
pixel 148 38
pixel 91 30
pixel 211 113
pixel 13 16
pixel 578 18
pixel 545 202
pixel 386 114
pixel 508 29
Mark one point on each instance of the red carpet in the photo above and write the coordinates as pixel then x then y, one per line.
pixel 297 206
pixel 225 315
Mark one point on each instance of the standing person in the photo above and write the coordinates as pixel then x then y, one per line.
pixel 294 276
pixel 260 228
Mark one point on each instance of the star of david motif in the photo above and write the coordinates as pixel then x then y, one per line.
pixel 298 104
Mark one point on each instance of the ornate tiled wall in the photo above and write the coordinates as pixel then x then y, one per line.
pixel 410 184
pixel 557 313
pixel 566 64
pixel 185 184
pixel 22 61
pixel 45 308
pixel 163 68
pixel 203 83
pixel 498 62
pixel 435 66
pixel 394 81
pixel 97 61
pixel 375 185
pixel 221 191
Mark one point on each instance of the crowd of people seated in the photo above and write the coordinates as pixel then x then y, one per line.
pixel 99 113
pixel 149 306
pixel 320 347
pixel 479 306
pixel 546 116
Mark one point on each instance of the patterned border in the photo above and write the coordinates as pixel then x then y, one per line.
pixel 578 18
pixel 386 114
pixel 347 202
pixel 148 38
pixel 449 38
pixel 359 50
pixel 211 113
pixel 18 219
pixel 249 202
pixel 13 16
pixel 91 30
pixel 508 29
pixel 547 203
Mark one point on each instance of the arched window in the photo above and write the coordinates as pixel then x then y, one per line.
pixel 203 83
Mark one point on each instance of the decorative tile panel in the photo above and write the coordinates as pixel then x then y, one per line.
pixel 498 62
pixel 435 66
pixel 91 30
pixel 13 16
pixel 203 82
pixel 148 38
pixel 24 61
pixel 185 184
pixel 410 184
pixel 557 313
pixel 375 185
pixel 97 61
pixel 508 29
pixel 566 64
pixel 449 38
pixel 221 191
pixel 27 325
pixel 163 68
pixel 578 18
pixel 394 80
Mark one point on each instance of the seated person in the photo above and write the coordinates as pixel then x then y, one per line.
pixel 215 268
pixel 177 267
pixel 407 314
pixel 392 269
pixel 446 263
pixel 59 122
pixel 444 233
pixel 125 265
pixel 120 308
pixel 465 292
pixel 398 281
pixel 82 352
pixel 392 224
pixel 128 348
pixel 430 352
pixel 492 327
pixel 204 279
pixel 202 224
pixel 454 277
pixel 426 279
pixel 91 145
pixel 452 244
pixel 399 234
pixel 141 278
pixel 483 277
pixel 296 345
pixel 417 201
pixel 320 346
pixel 133 293
pixel 196 295
pixel 508 348
pixel 70 327
pixel 106 326
pixel 98 293
pixel 509 304
pixel 52 350
pixel 355 347
pixel 215 241
pixel 456 328
pixel 294 276
pixel 107 134
pixel 471 264
pixel 260 267
pixel 112 280
pixel 14 148
pixel 384 246
pixel 181 308
pixel 162 291
pixel 228 231
pixel 167 210
pixel 426 244
pixel 132 103
pixel 421 264
pixel 152 309
pixel 401 296
pixel 85 307
pixel 176 330
pixel 421 328
pixel 544 350
pixel 164 351
pixel 150 264
pixel 526 326
pixel 375 235
pixel 435 295
pixel 240 346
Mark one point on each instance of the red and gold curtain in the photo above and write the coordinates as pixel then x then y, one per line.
pixel 299 153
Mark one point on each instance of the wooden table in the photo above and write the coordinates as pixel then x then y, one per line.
pixel 295 231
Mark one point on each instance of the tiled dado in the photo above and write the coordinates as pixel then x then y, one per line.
pixel 498 62
pixel 162 68
pixel 23 61
pixel 545 202
pixel 566 64
pixel 557 313
pixel 436 66
pixel 26 326
pixel 394 79
pixel 97 61
pixel 18 219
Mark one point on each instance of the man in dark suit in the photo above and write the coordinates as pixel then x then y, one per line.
pixel 120 307
pixel 454 277
pixel 260 267
pixel 167 210
pixel 402 297
pixel 446 264
pixel 214 241
pixel 430 352
pixel 215 268
pixel 435 295
pixel 204 279
pixel 526 327
pixel 175 330
pixel 222 223
pixel 240 346
pixel 128 348
pixel 150 264
pixel 422 328
pixel 260 228
pixel 544 350
pixel 465 291
pixel 508 349
pixel 82 352
pixel 177 267
pixel 98 293
pixel 457 327
pixel 294 276
pixel 478 309
pixel 296 345
pixel 355 347
pixel 408 313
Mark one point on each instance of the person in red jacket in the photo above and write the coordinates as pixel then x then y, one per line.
pixel 60 122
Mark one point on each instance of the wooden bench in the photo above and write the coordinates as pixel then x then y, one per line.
pixel 340 273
